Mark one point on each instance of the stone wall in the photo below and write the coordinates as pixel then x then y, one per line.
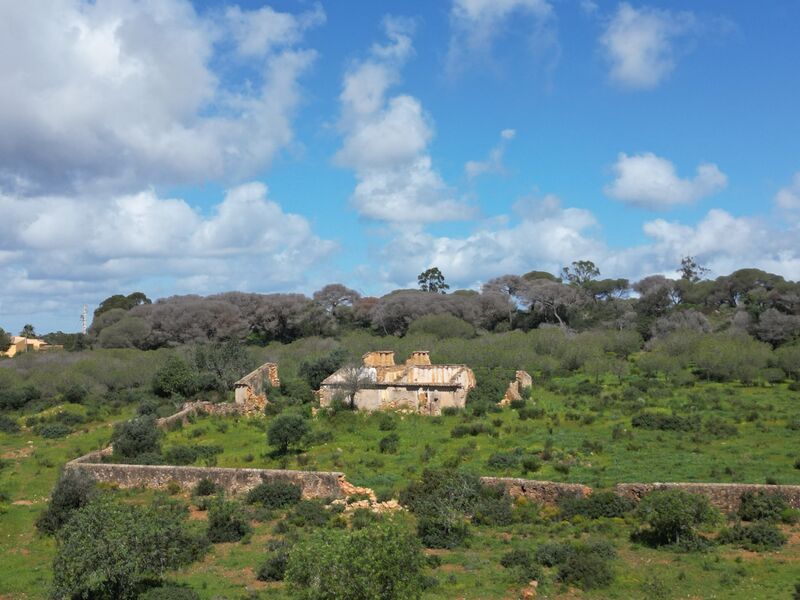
pixel 315 484
pixel 544 492
pixel 193 408
pixel 724 496
pixel 250 388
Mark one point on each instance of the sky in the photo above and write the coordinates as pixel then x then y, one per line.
pixel 177 147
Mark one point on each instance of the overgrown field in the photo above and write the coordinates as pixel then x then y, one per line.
pixel 601 411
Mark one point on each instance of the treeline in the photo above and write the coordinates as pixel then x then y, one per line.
pixel 748 301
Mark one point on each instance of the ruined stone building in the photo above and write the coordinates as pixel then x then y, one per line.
pixel 416 385
pixel 251 390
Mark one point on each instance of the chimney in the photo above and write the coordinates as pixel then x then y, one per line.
pixel 419 358
pixel 380 358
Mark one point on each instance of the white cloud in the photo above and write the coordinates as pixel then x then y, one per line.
pixel 477 24
pixel 494 162
pixel 70 250
pixel 386 140
pixel 788 198
pixel 105 95
pixel 543 235
pixel 639 44
pixel 649 181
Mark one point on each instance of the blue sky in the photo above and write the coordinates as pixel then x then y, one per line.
pixel 176 147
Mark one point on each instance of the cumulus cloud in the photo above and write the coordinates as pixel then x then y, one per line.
pixel 494 162
pixel 105 95
pixel 385 140
pixel 544 235
pixel 68 249
pixel 788 198
pixel 649 181
pixel 477 24
pixel 639 44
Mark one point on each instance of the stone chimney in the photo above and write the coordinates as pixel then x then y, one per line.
pixel 380 358
pixel 419 358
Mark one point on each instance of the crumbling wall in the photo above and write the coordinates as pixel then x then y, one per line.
pixel 193 408
pixel 249 390
pixel 314 484
pixel 543 492
pixel 724 496
pixel 522 381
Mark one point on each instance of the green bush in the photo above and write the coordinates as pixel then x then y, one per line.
pixel 494 507
pixel 472 429
pixel 186 455
pixel 389 444
pixel 176 377
pixel 286 430
pixel 274 568
pixel 169 592
pixel 383 560
pixel 275 494
pixel 586 569
pixel 757 537
pixel 664 422
pixel 226 522
pixel 136 437
pixel 73 490
pixel 595 506
pixel 757 506
pixel 8 425
pixel 52 431
pixel 503 461
pixel 672 516
pixel 111 550
pixel 531 464
pixel 523 566
pixel 442 326
pixel 309 513
pixel 442 531
pixel 205 487
pixel 387 422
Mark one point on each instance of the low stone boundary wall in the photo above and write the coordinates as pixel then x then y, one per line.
pixel 193 408
pixel 724 496
pixel 545 492
pixel 315 484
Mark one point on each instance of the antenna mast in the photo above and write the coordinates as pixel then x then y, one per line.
pixel 84 314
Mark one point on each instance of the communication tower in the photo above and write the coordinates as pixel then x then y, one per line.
pixel 84 315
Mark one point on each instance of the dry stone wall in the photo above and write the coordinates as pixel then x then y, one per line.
pixel 544 492
pixel 724 496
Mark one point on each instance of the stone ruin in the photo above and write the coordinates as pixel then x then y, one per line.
pixel 251 390
pixel 522 381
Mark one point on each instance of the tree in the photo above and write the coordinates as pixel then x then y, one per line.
pixel 315 371
pixel 5 340
pixel 354 378
pixel 335 295
pixel 674 514
pixel 138 436
pixel 552 299
pixel 581 273
pixel 432 280
pixel 286 430
pixel 691 270
pixel 111 550
pixel 119 301
pixel 73 490
pixel 383 560
pixel 28 331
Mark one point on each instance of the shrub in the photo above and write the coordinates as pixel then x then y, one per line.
pixel 135 437
pixel 673 514
pixel 53 430
pixel 205 487
pixel 274 568
pixel 494 507
pixel 757 537
pixel 442 490
pixel 8 425
pixel 286 430
pixel 313 372
pixel 595 506
pixel 169 592
pixel 503 460
pixel 275 494
pixel 75 394
pixel 756 506
pixel 585 569
pixel 442 531
pixel 383 560
pixel 472 429
pixel 717 427
pixel 551 554
pixel 386 422
pixel 73 490
pixel 531 464
pixel 664 422
pixel 522 564
pixel 530 412
pixel 109 549
pixel 226 522
pixel 309 513
pixel 176 377
pixel 442 326
pixel 389 444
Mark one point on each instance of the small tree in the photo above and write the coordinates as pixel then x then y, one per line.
pixel 581 273
pixel 286 430
pixel 28 331
pixel 381 560
pixel 5 340
pixel 176 376
pixel 73 490
pixel 432 280
pixel 136 437
pixel 110 550
pixel 674 514
pixel 691 270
